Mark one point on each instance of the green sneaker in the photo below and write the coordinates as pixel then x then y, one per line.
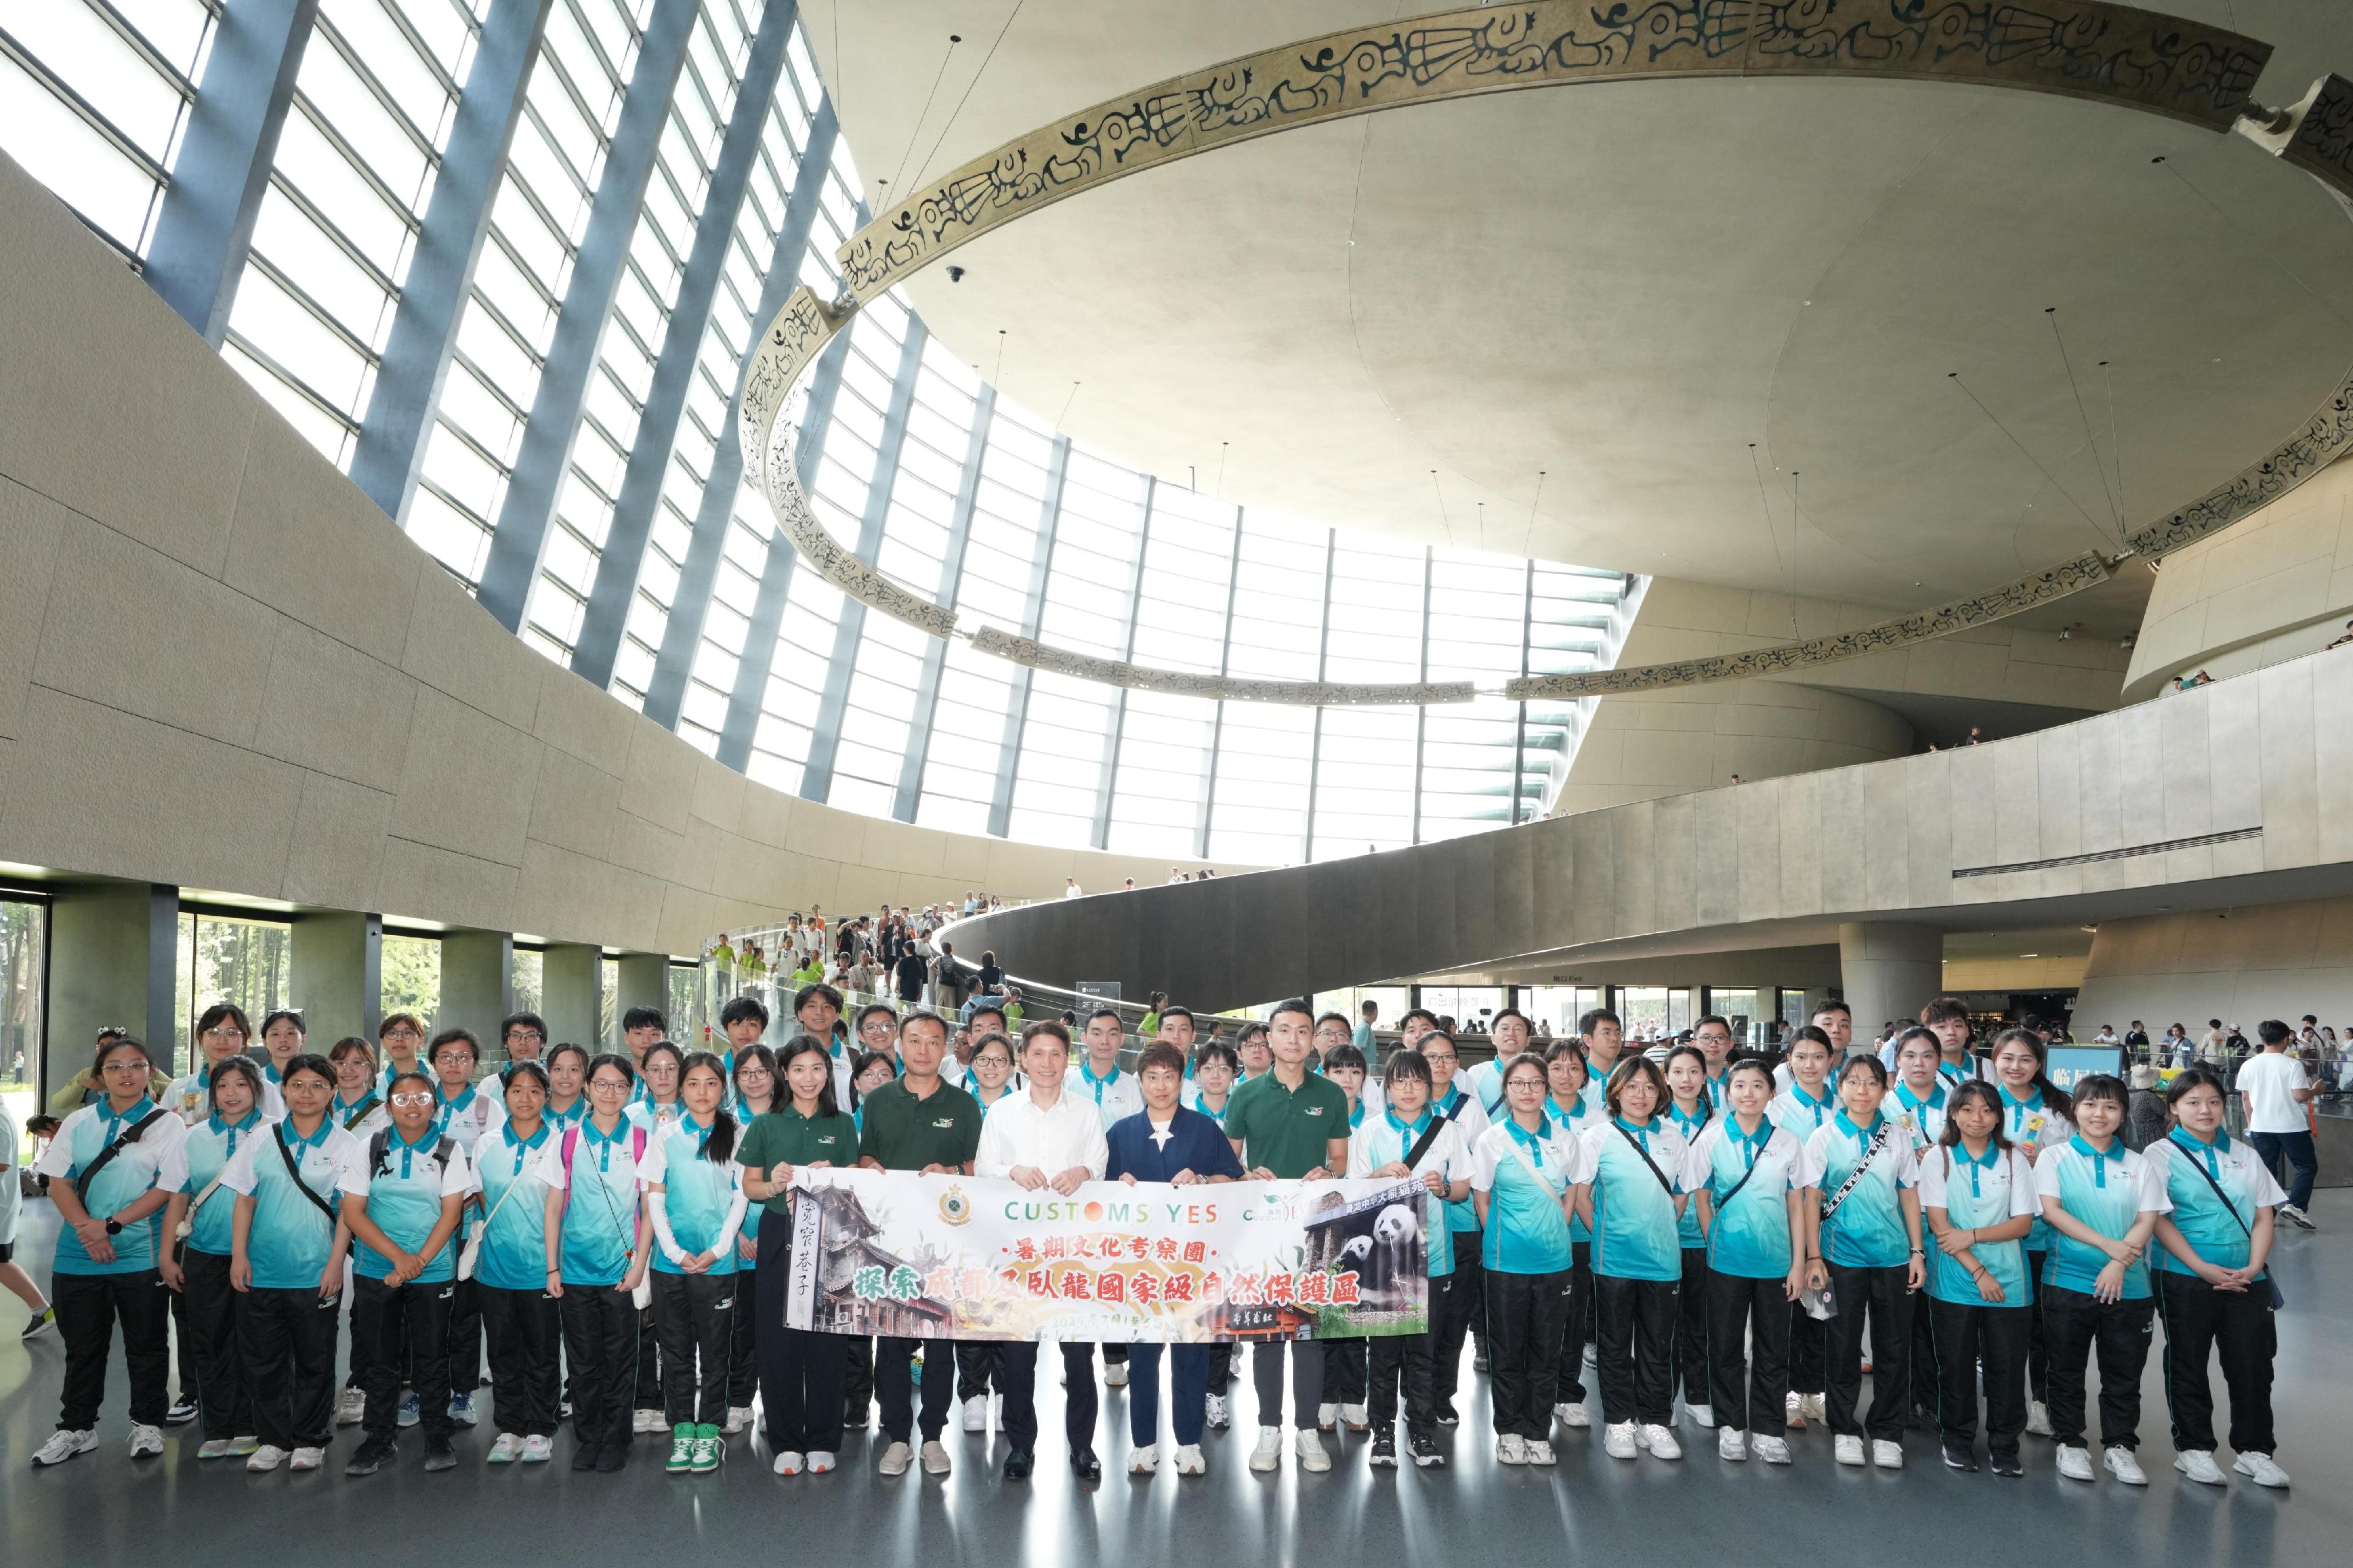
pixel 681 1448
pixel 708 1449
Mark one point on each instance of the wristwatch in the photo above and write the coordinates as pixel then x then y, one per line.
pixel 113 1226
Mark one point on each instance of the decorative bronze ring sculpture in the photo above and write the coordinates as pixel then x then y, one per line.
pixel 2110 53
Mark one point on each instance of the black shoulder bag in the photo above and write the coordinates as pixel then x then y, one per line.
pixel 278 1136
pixel 2278 1301
pixel 1666 1186
pixel 123 1141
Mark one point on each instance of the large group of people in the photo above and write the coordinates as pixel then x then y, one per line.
pixel 1724 1241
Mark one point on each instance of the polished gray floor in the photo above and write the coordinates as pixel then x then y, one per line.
pixel 102 1508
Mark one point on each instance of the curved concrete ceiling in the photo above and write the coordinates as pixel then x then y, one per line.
pixel 1626 287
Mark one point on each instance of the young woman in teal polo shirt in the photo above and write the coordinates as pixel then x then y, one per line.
pixel 1746 1178
pixel 752 1076
pixel 1802 1107
pixel 1864 1223
pixel 2213 1286
pixel 288 1241
pixel 607 1239
pixel 694 1190
pixel 2036 1117
pixel 1520 1172
pixel 1571 1112
pixel 2101 1201
pixel 197 1266
pixel 1626 1190
pixel 1689 1111
pixel 1976 1195
pixel 404 1198
pixel 518 1165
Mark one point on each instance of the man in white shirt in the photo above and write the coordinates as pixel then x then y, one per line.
pixel 1045 1138
pixel 2276 1092
pixel 1071 888
pixel 1116 1096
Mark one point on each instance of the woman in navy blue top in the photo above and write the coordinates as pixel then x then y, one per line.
pixel 1167 1143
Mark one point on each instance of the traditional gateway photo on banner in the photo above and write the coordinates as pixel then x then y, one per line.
pixel 932 1257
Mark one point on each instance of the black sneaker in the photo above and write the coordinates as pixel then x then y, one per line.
pixel 583 1457
pixel 182 1411
pixel 1383 1450
pixel 372 1457
pixel 440 1454
pixel 1959 1458
pixel 1425 1449
pixel 2006 1466
pixel 42 1322
pixel 611 1457
pixel 1446 1418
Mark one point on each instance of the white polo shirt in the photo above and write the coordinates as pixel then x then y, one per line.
pixel 1018 1131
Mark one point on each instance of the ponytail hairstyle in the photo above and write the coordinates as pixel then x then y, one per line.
pixel 719 1148
pixel 237 1065
pixel 1706 1106
pixel 2061 1102
pixel 1983 1093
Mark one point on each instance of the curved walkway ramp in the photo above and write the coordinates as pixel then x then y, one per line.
pixel 2240 792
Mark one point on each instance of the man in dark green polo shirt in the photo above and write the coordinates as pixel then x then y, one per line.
pixel 924 1123
pixel 1290 1124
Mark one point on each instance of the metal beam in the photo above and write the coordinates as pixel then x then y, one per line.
pixel 1217 721
pixel 776 575
pixel 619 565
pixel 683 635
pixel 1422 714
pixel 394 434
pixel 204 227
pixel 1033 619
pixel 833 704
pixel 1100 833
pixel 1520 730
pixel 1323 657
pixel 520 541
pixel 936 653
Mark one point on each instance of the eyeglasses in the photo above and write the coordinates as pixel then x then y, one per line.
pixel 405 1029
pixel 413 1099
pixel 139 1067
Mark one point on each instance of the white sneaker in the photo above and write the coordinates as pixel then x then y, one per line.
pixel 351 1404
pixel 2199 1464
pixel 2124 1465
pixel 1188 1460
pixel 221 1448
pixel 820 1462
pixel 1572 1416
pixel 936 1457
pixel 1886 1455
pixel 1216 1413
pixel 2259 1470
pixel 739 1416
pixel 1796 1406
pixel 1310 1449
pixel 506 1450
pixel 1511 1448
pixel 265 1458
pixel 787 1464
pixel 1269 1452
pixel 1358 1417
pixel 1327 1416
pixel 646 1421
pixel 996 1410
pixel 897 1459
pixel 308 1459
pixel 1816 1407
pixel 1700 1415
pixel 1540 1452
pixel 2075 1463
pixel 2299 1218
pixel 1661 1441
pixel 2038 1418
pixel 146 1441
pixel 975 1414
pixel 1619 1441
pixel 1115 1374
pixel 64 1445
pixel 538 1448
pixel 1848 1449
pixel 1731 1443
pixel 1144 1462
pixel 1772 1450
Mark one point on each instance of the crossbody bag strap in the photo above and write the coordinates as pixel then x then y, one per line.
pixel 123 1141
pixel 360 1112
pixel 2278 1298
pixel 1636 1144
pixel 278 1136
pixel 1725 1201
pixel 1878 1141
pixel 1421 1144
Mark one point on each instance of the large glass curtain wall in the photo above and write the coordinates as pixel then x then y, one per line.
pixel 648 566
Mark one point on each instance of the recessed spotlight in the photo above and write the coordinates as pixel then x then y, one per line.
pixel 2030 955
